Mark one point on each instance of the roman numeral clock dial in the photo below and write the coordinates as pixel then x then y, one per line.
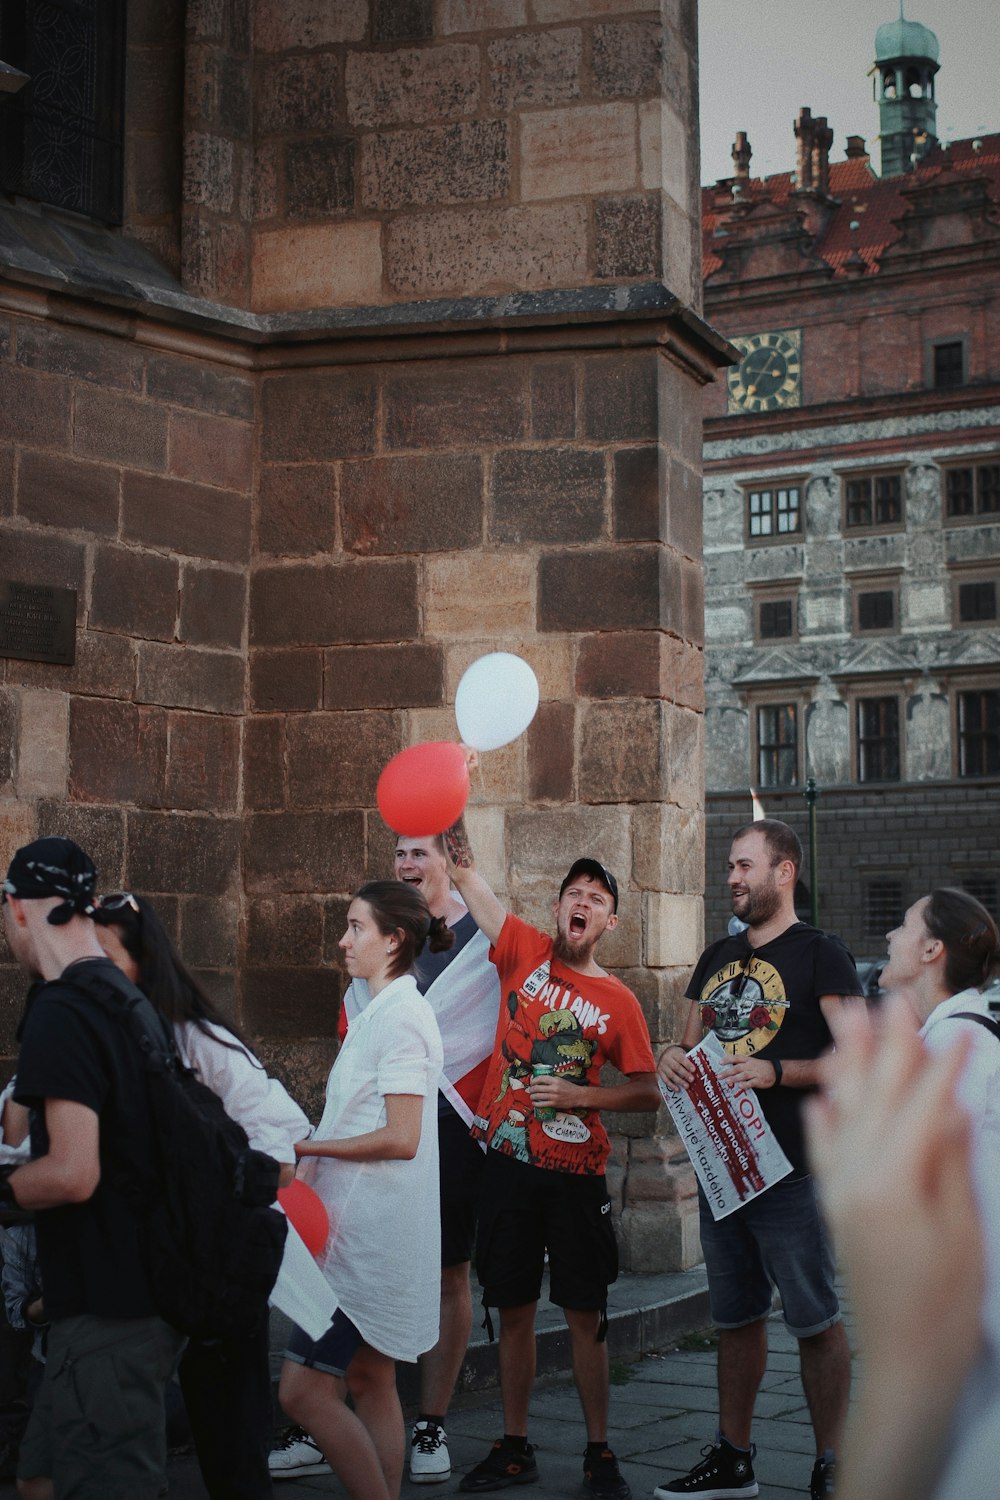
pixel 770 373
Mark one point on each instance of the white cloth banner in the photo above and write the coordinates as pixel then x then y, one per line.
pixel 732 1148
pixel 301 1291
pixel 465 999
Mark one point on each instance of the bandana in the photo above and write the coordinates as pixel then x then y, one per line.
pixel 54 867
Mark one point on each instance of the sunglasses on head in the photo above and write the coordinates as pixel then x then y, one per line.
pixel 119 901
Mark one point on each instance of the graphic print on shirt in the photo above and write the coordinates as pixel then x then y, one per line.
pixel 546 1021
pixel 744 1003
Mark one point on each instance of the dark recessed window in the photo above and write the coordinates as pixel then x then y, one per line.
pixel 974 491
pixel 949 365
pixel 61 135
pixel 777 745
pixel 873 500
pixel 773 512
pixel 977 602
pixel 878 739
pixel 979 732
pixel 984 889
pixel 775 619
pixel 877 610
pixel 883 906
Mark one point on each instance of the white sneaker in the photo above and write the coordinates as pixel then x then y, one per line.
pixel 429 1459
pixel 296 1457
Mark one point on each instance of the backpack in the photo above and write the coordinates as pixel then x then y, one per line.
pixel 212 1243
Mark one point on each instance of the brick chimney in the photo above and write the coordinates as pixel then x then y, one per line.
pixel 856 150
pixel 742 153
pixel 822 140
pixel 804 127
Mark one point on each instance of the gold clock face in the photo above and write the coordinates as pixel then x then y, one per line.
pixel 770 373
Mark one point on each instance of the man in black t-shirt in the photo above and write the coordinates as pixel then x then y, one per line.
pixel 767 993
pixel 98 1425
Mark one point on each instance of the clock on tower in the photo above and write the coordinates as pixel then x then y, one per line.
pixel 770 373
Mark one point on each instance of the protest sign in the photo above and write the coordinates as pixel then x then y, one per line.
pixel 731 1146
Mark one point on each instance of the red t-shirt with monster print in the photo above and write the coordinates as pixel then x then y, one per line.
pixel 573 1023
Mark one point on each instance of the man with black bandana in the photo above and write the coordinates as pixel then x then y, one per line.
pixel 767 993
pixel 97 1428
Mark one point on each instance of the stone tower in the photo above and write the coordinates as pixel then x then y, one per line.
pixel 906 60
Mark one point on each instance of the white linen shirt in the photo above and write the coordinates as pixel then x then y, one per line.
pixel 971 1468
pixel 383 1256
pixel 269 1115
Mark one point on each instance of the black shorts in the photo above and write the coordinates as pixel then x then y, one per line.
pixel 526 1211
pixel 461 1168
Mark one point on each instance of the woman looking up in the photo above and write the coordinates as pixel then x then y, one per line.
pixel 226 1382
pixel 373 1161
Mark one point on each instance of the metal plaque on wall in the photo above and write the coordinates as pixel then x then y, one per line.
pixel 38 623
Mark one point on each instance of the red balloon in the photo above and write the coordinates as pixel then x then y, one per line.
pixel 306 1214
pixel 424 789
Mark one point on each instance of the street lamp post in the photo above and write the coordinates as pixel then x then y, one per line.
pixel 811 794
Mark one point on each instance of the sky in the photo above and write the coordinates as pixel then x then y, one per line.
pixel 761 62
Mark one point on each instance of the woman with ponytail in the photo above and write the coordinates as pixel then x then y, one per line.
pixel 373 1161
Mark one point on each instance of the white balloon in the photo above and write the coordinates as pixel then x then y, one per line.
pixel 496 700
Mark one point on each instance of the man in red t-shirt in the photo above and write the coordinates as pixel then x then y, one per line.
pixel 561 1018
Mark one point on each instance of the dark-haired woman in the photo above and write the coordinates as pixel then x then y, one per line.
pixel 373 1161
pixel 226 1382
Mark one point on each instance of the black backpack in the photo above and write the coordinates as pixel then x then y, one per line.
pixel 212 1243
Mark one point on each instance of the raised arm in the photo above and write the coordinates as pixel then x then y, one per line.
pixel 488 912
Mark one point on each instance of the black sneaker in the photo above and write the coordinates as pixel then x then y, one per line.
pixel 725 1474
pixel 601 1476
pixel 823 1479
pixel 502 1467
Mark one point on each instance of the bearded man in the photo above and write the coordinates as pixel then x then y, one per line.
pixel 539 1115
pixel 767 994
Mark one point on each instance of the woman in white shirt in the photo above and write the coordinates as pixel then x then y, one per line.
pixel 373 1161
pixel 906 1144
pixel 226 1382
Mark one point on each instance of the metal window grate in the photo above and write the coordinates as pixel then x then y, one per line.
pixel 984 889
pixel 949 365
pixel 775 619
pixel 883 906
pixel 877 610
pixel 979 732
pixel 977 601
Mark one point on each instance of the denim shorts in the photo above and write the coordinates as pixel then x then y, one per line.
pixel 776 1240
pixel 332 1353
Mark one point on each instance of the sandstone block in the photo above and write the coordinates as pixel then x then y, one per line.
pixel 134 592
pixel 284 24
pixel 480 15
pixel 303 851
pixel 189 382
pixel 608 775
pixel 445 405
pixel 285 931
pixel 319 265
pixel 669 848
pixel 209 171
pixel 685 765
pixel 79 355
pixel 606 588
pixel 543 843
pixel 334 759
pixel 292 1002
pixel 578 10
pixel 264 762
pixel 104 668
pixel 203 755
pixel 296 509
pixel 34 557
pixel 552 398
pixel 524 248
pixel 9 705
pixel 286 681
pixel 300 93
pixel 211 450
pixel 684 509
pixel 547 495
pixel 302 1067
pixel 550 658
pixel 462 594
pixel 535 68
pixel 123 429
pixel 619 664
pixel 184 853
pixel 465 162
pixel 64 492
pixel 319 176
pixel 627 234
pixel 682 674
pixel 185 677
pixel 213 606
pixel 485 827
pixel 657 1238
pixel 34 409
pixel 99 830
pixel 400 676
pixel 117 752
pixel 402 20
pixel 625 59
pixel 209 932
pixel 43 752
pixel 552 753
pixel 580 151
pixel 308 416
pixel 674 928
pixel 191 519
pixel 412 85
pixel 418 504
pixel 638 507
pixel 6 479
pixel 620 397
pixel 153 178
pixel 370 600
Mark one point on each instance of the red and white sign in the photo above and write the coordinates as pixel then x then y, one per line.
pixel 731 1146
